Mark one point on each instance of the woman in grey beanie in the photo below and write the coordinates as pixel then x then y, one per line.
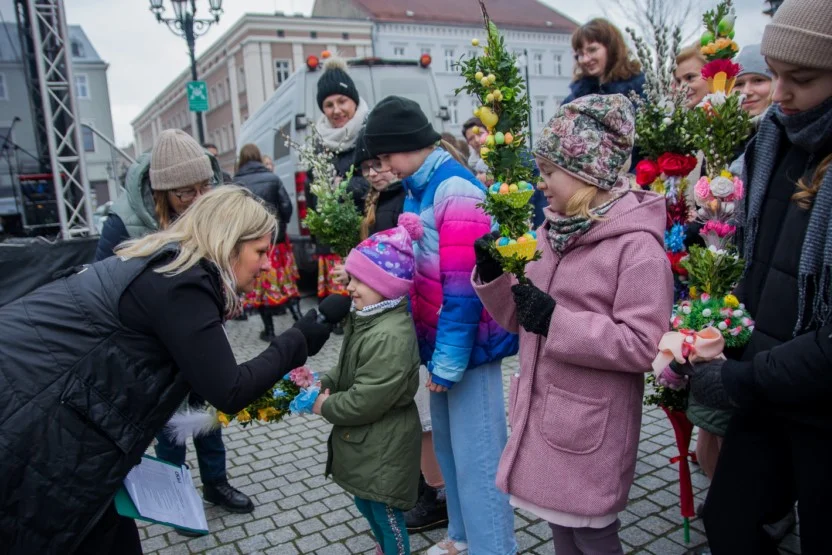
pixel 777 445
pixel 754 80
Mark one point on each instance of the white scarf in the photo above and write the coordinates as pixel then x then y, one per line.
pixel 342 138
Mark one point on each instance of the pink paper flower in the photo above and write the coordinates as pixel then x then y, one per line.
pixel 739 190
pixel 702 189
pixel 302 377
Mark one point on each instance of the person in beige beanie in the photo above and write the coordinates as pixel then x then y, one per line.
pixel 777 447
pixel 179 165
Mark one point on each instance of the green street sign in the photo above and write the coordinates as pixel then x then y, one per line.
pixel 197 96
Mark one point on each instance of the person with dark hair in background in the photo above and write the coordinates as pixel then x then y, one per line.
pixel 277 288
pixel 215 152
pixel 603 63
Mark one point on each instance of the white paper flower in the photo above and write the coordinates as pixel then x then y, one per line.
pixel 721 186
pixel 737 313
pixel 706 313
pixel 722 326
pixel 686 310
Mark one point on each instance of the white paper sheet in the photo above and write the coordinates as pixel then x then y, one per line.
pixel 166 493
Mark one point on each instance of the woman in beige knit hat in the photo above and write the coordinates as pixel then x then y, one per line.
pixel 159 186
pixel 777 444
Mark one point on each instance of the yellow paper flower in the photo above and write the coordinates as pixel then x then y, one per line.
pixel 727 174
pixel 658 186
pixel 732 301
pixel 723 43
pixel 223 418
pixel 708 49
pixel 693 292
pixel 267 414
pixel 243 416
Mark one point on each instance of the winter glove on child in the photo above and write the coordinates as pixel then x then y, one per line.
pixel 534 308
pixel 488 268
pixel 706 384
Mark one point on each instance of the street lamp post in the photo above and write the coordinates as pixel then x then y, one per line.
pixel 185 24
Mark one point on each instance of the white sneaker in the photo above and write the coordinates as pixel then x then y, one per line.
pixel 448 547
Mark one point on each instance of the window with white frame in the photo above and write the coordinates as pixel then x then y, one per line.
pixel 450 61
pixel 558 101
pixel 282 68
pixel 220 93
pixel 241 79
pixel 426 50
pixel 398 51
pixel 4 91
pixel 558 65
pixel 537 63
pixel 82 87
pixel 453 110
pixel 540 111
pixel 88 138
pixel 472 54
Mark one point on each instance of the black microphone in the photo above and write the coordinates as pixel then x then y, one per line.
pixel 333 309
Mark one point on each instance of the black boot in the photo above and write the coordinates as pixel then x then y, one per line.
pixel 430 512
pixel 224 495
pixel 268 325
pixel 294 309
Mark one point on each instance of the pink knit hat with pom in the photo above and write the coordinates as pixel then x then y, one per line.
pixel 384 261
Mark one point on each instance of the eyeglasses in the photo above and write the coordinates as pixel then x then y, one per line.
pixel 375 164
pixel 187 194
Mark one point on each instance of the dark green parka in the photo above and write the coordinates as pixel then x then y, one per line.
pixel 375 445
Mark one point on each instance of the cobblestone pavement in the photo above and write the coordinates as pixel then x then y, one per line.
pixel 299 511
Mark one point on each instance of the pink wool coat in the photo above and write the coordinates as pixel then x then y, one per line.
pixel 575 409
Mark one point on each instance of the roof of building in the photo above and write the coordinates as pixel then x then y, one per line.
pixel 510 13
pixel 82 49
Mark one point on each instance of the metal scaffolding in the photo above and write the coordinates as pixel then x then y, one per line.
pixel 46 34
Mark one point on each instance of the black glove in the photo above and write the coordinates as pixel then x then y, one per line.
pixel 314 332
pixel 534 308
pixel 488 268
pixel 706 383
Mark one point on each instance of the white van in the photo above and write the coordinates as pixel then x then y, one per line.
pixel 293 107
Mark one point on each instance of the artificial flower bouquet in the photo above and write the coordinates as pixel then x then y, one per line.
pixel 294 394
pixel 713 270
pixel 495 81
pixel 335 220
pixel 664 140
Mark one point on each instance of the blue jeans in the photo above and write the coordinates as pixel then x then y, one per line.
pixel 469 435
pixel 210 451
pixel 388 526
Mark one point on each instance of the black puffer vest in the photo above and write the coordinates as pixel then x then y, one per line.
pixel 81 397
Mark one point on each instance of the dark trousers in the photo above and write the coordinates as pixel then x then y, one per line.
pixel 210 451
pixel 112 535
pixel 765 465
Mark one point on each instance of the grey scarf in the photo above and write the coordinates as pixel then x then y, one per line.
pixel 808 130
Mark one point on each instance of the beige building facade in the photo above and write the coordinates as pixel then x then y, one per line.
pixel 242 69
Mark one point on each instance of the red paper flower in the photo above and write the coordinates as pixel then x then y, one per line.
pixel 712 68
pixel 676 165
pixel 647 171
pixel 675 263
pixel 677 213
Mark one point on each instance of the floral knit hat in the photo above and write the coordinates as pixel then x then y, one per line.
pixel 591 138
pixel 384 260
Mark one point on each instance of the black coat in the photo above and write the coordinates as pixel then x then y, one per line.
pixel 779 372
pixel 84 393
pixel 257 178
pixel 390 206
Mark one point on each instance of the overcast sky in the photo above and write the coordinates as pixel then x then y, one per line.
pixel 144 56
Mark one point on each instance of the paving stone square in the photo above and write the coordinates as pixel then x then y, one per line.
pixel 299 511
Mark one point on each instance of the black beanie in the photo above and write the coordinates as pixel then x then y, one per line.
pixel 336 80
pixel 361 152
pixel 398 124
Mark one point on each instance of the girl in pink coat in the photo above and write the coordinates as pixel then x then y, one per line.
pixel 590 322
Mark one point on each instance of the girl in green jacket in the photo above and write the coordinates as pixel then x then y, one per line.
pixel 374 448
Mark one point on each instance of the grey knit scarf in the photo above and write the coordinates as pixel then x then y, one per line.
pixel 810 131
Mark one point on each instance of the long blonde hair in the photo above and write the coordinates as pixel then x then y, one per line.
pixel 805 196
pixel 212 228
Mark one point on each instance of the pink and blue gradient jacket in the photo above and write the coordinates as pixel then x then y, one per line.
pixel 455 332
